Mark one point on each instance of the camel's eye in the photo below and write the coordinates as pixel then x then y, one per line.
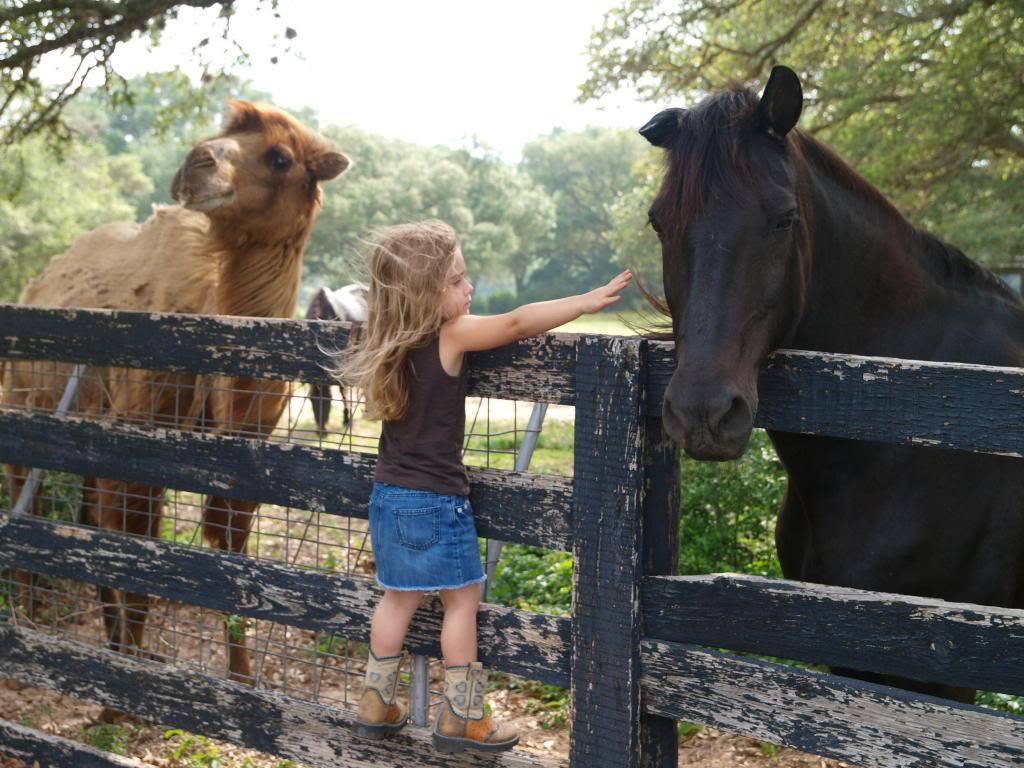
pixel 278 160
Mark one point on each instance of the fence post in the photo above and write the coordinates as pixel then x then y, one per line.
pixel 659 736
pixel 607 504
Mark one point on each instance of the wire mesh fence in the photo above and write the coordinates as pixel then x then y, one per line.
pixel 317 666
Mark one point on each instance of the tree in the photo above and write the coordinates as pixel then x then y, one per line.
pixel 501 216
pixel 514 217
pixel 90 31
pixel 45 201
pixel 923 97
pixel 585 173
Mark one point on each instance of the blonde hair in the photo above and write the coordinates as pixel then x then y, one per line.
pixel 408 268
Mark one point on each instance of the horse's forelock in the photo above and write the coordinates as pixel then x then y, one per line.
pixel 706 153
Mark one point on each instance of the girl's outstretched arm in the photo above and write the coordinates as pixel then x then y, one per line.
pixel 473 333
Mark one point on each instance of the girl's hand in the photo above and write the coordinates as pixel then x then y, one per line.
pixel 599 298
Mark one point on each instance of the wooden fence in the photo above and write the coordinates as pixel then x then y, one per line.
pixel 634 650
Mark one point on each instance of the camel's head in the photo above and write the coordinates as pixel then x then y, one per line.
pixel 262 173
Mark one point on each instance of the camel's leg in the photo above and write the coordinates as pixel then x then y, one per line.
pixel 247 407
pixel 87 514
pixel 226 525
pixel 130 508
pixel 26 582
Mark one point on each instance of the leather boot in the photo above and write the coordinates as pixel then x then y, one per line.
pixel 378 714
pixel 462 722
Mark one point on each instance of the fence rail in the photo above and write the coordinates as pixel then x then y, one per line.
pixel 630 651
pixel 961 644
pixel 519 507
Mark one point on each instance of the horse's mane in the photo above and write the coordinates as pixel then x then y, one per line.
pixel 942 260
pixel 707 152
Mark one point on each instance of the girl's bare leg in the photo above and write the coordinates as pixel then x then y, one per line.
pixel 458 630
pixel 391 621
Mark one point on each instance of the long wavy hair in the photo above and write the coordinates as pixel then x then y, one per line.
pixel 408 266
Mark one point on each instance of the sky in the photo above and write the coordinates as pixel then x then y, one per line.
pixel 434 72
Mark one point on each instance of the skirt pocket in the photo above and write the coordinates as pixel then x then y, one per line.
pixel 419 528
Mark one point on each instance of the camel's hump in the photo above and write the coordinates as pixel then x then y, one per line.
pixel 152 266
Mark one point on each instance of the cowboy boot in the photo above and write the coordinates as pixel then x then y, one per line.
pixel 378 714
pixel 462 723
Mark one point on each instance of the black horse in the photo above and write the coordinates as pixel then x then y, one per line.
pixel 769 240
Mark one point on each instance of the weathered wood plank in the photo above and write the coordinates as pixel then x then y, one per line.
pixel 659 736
pixel 312 734
pixel 942 405
pixel 49 750
pixel 530 644
pixel 606 548
pixel 956 643
pixel 512 506
pixel 536 369
pixel 865 724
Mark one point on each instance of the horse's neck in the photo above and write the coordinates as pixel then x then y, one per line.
pixel 259 279
pixel 870 290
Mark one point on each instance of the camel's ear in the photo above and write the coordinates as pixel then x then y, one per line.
pixel 329 165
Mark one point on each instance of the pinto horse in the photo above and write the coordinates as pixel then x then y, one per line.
pixel 769 240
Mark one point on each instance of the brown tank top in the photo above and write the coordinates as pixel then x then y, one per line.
pixel 423 449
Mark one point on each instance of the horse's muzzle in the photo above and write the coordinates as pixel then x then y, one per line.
pixel 715 429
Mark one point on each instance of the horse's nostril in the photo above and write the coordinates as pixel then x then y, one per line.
pixel 672 422
pixel 733 419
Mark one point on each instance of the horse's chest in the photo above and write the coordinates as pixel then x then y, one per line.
pixel 916 521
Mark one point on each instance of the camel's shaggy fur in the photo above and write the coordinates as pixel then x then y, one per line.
pixel 234 246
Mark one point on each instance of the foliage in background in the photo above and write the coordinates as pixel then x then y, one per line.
pixel 728 511
pixel 923 98
pixel 501 216
pixel 533 579
pixel 88 32
pixel 47 200
pixel 585 173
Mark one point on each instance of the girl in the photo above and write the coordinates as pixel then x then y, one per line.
pixel 410 365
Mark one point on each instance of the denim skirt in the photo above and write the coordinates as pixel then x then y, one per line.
pixel 423 540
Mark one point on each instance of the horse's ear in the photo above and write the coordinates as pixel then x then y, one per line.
pixel 663 127
pixel 781 102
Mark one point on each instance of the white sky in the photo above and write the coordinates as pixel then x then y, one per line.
pixel 434 71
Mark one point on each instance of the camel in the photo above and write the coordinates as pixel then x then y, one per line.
pixel 248 200
pixel 345 303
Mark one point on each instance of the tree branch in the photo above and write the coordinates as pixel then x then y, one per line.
pixel 1007 142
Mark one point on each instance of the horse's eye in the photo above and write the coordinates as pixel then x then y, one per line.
pixel 654 224
pixel 279 161
pixel 786 221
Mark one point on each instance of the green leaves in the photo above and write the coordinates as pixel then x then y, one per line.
pixel 923 98
pixel 46 200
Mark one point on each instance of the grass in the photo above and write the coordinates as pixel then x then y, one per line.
pixel 609 322
pixel 552 455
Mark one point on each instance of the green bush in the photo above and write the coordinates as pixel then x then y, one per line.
pixel 728 511
pixel 533 579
